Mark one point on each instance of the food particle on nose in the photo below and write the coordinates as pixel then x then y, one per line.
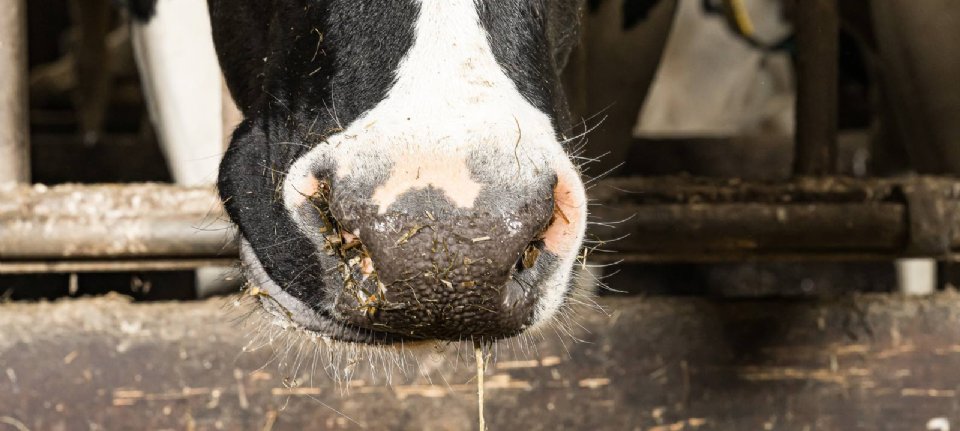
pixel 409 234
pixel 481 368
pixel 530 256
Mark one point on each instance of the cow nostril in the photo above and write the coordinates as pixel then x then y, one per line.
pixel 565 229
pixel 528 259
pixel 531 253
pixel 335 236
pixel 338 240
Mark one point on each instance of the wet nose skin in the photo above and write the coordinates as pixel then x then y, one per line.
pixel 436 270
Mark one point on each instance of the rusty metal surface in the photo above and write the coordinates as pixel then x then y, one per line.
pixel 766 228
pixel 853 363
pixel 14 123
pixel 697 219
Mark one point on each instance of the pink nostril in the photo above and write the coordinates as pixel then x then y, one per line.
pixel 569 218
pixel 302 190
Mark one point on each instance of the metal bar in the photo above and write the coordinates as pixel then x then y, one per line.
pixel 113 221
pixel 128 238
pixel 755 227
pixel 686 219
pixel 747 256
pixel 14 122
pixel 8 268
pixel 659 219
pixel 817 27
pixel 693 190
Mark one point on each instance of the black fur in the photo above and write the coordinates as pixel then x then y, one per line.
pixel 532 40
pixel 321 67
pixel 518 35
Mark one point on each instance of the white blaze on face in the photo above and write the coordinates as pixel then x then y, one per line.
pixel 451 101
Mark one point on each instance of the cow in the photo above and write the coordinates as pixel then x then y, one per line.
pixel 403 170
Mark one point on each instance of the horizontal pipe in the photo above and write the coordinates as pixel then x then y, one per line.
pixel 152 265
pixel 113 221
pixel 597 258
pixel 740 227
pixel 638 219
pixel 667 218
pixel 131 238
pixel 682 189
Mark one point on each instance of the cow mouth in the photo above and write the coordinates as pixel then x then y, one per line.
pixel 285 311
pixel 358 325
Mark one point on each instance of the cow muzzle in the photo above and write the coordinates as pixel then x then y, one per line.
pixel 426 263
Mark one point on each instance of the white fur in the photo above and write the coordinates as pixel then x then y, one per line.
pixel 451 100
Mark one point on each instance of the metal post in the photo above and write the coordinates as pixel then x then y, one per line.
pixel 14 122
pixel 818 27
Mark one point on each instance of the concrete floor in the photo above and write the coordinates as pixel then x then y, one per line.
pixel 864 362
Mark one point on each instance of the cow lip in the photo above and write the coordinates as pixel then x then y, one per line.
pixel 287 312
pixel 404 323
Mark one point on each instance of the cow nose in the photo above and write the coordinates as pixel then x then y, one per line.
pixel 432 268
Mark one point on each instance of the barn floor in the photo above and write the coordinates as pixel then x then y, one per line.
pixel 866 362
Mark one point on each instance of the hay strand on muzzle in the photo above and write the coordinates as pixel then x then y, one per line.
pixel 478 352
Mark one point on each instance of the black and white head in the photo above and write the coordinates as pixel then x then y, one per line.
pixel 401 173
